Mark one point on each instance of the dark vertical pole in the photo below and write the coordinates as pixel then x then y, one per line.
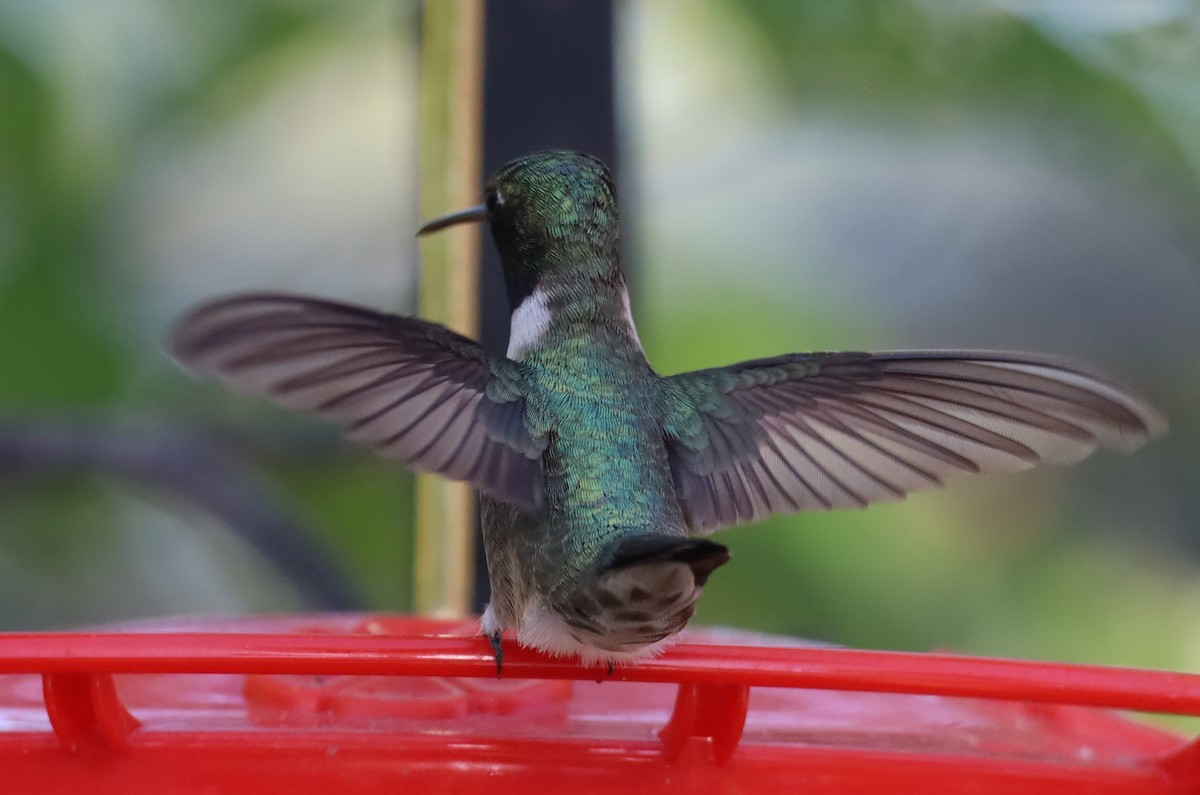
pixel 548 84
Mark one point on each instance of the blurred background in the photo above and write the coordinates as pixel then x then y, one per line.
pixel 794 176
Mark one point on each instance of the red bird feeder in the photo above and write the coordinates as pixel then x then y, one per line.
pixel 351 703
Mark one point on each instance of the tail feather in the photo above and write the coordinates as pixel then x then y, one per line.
pixel 701 556
pixel 643 595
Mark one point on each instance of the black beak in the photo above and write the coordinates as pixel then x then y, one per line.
pixel 472 214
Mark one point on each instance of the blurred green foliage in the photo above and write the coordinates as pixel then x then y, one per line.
pixel 799 175
pixel 130 130
pixel 887 175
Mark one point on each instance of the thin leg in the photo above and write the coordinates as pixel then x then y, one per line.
pixel 498 650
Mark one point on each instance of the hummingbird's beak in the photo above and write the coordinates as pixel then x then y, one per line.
pixel 476 214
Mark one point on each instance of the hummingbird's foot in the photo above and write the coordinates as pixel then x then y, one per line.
pixel 610 667
pixel 498 650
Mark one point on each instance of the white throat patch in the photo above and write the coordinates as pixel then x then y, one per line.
pixel 530 320
pixel 629 318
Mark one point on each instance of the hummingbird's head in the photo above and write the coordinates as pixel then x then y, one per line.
pixel 550 213
pixel 551 199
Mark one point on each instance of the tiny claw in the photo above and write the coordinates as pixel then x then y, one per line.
pixel 610 667
pixel 497 650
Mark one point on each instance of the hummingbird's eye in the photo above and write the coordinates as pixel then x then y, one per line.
pixel 493 199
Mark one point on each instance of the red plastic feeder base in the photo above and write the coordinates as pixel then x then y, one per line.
pixel 349 703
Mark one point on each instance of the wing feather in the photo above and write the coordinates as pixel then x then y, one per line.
pixel 821 431
pixel 415 390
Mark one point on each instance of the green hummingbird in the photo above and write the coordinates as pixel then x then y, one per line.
pixel 598 476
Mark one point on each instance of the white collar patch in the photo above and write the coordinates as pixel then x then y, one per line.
pixel 530 320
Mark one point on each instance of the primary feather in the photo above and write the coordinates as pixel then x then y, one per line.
pixel 414 390
pixel 836 430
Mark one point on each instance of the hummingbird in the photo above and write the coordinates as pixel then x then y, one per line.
pixel 600 479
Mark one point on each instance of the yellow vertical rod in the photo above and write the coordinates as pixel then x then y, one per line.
pixel 451 87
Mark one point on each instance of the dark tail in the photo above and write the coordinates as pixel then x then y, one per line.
pixel 701 556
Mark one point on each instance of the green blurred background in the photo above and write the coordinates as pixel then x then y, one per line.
pixel 795 176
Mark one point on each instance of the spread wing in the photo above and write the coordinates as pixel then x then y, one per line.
pixel 833 430
pixel 415 390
